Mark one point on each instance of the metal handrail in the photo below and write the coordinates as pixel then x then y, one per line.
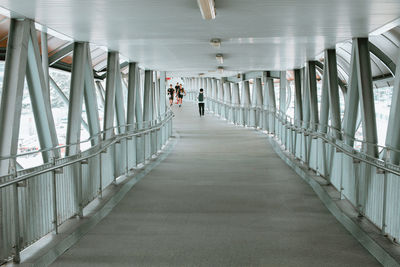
pixel 102 148
pixel 316 125
pixel 93 137
pixel 349 151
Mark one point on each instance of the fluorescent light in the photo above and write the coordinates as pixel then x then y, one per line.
pixel 220 69
pixel 207 9
pixel 215 42
pixel 220 58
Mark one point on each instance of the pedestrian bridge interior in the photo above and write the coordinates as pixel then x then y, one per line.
pixel 295 163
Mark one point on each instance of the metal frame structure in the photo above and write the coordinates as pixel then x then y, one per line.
pixel 135 129
pixel 368 177
pixel 78 177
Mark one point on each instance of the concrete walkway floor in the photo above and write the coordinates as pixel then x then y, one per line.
pixel 222 198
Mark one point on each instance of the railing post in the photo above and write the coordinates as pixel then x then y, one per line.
pixel 384 204
pixel 126 156
pixel 17 233
pixel 54 190
pixel 79 186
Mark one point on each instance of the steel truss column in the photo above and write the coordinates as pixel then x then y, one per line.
pixel 312 94
pixel 119 99
pixel 209 92
pixel 148 108
pixel 264 109
pixel 140 144
pixel 330 70
pixel 112 66
pixel 156 112
pixel 92 109
pixel 40 98
pixel 366 93
pixel 235 102
pixel 45 60
pixel 352 102
pixel 221 97
pixel 324 106
pixel 306 99
pixel 10 114
pixel 393 130
pixel 163 105
pixel 131 112
pixel 13 86
pixel 271 104
pixel 74 118
pixel 298 104
pixel 76 99
pixel 228 101
pixel 214 94
pixel 282 92
pixel 246 103
pixel 259 101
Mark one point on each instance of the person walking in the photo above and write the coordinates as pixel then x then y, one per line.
pixel 200 100
pixel 171 92
pixel 182 92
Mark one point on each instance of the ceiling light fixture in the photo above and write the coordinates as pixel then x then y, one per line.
pixel 207 9
pixel 215 43
pixel 220 58
pixel 220 69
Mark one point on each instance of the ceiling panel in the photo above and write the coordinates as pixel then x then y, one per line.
pixel 171 35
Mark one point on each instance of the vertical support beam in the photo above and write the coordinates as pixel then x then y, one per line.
pixel 45 59
pixel 298 104
pixel 74 117
pixel 92 109
pixel 228 101
pixel 40 98
pixel 259 101
pixel 76 99
pixel 333 89
pixel 12 93
pixel 364 77
pixel 140 145
pixel 235 102
pixel 393 130
pixel 258 91
pixel 112 66
pixel 10 109
pixel 246 94
pixel 214 94
pixel 119 100
pixel 306 99
pixel 132 95
pixel 312 94
pixel 265 114
pixel 235 94
pixel 282 92
pixel 352 101
pixel 271 104
pixel 324 107
pixel 148 108
pixel 163 92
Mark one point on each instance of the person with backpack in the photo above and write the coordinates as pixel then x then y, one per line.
pixel 171 92
pixel 182 92
pixel 200 100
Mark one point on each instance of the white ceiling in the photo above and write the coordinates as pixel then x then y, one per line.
pixel 170 35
